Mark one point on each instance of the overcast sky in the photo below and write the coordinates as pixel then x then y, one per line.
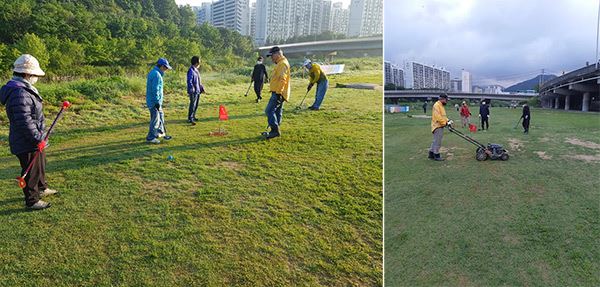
pixel 199 2
pixel 498 41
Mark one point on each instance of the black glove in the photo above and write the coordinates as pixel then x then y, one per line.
pixel 157 107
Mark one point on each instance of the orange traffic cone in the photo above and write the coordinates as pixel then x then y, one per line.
pixel 223 113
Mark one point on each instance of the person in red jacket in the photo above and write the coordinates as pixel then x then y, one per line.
pixel 465 114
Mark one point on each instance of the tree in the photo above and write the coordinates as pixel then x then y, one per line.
pixel 15 20
pixel 33 45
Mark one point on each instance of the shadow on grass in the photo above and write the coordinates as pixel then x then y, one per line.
pixel 100 129
pixel 102 154
pixel 14 211
pixel 10 200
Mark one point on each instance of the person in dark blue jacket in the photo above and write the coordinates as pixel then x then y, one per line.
pixel 26 132
pixel 194 89
pixel 154 101
pixel 259 77
pixel 526 116
pixel 484 114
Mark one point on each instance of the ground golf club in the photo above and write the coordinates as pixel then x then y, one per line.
pixel 21 179
pixel 248 90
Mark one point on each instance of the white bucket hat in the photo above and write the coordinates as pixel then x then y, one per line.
pixel 28 64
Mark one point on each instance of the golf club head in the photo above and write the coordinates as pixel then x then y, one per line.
pixel 21 181
pixel 66 104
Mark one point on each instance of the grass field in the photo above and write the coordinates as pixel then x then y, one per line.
pixel 533 220
pixel 302 209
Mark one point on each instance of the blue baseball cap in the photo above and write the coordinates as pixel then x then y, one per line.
pixel 163 62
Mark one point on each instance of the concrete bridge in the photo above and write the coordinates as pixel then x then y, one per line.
pixel 372 45
pixel 425 94
pixel 577 90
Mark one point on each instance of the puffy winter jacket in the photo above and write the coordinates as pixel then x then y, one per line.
pixel 24 110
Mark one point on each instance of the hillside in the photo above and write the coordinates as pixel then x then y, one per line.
pixel 530 84
pixel 74 38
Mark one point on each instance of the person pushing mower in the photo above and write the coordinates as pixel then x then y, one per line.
pixel 316 76
pixel 438 122
pixel 26 133
pixel 259 78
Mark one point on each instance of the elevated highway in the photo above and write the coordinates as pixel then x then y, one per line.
pixel 373 45
pixel 576 90
pixel 426 94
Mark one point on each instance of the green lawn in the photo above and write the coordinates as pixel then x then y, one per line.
pixel 302 209
pixel 533 220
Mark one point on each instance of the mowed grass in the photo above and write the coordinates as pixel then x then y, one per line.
pixel 533 220
pixel 303 209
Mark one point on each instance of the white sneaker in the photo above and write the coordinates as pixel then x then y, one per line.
pixel 154 141
pixel 48 191
pixel 161 135
pixel 39 205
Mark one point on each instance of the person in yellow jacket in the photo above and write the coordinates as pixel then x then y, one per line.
pixel 280 91
pixel 316 76
pixel 438 122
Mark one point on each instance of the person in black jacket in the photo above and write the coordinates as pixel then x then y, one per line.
pixel 484 114
pixel 26 133
pixel 526 116
pixel 259 77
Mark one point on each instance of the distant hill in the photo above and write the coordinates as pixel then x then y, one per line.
pixel 529 84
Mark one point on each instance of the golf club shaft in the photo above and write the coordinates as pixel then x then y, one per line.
pixel 248 90
pixel 37 152
pixel 518 123
pixel 54 123
pixel 301 103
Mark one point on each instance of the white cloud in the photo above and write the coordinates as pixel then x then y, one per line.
pixel 492 39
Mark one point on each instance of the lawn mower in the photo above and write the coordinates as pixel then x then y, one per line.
pixel 492 151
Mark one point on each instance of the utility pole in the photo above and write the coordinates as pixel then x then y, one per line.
pixel 597 35
pixel 541 81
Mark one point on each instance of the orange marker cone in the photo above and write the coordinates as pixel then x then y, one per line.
pixel 472 128
pixel 223 113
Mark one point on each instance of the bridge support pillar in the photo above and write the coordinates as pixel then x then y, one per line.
pixel 556 100
pixel 585 104
pixel 567 102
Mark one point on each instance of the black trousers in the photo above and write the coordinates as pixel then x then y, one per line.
pixel 36 178
pixel 258 86
pixel 526 125
pixel 484 121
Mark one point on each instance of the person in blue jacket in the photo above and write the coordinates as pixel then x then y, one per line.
pixel 154 101
pixel 194 89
